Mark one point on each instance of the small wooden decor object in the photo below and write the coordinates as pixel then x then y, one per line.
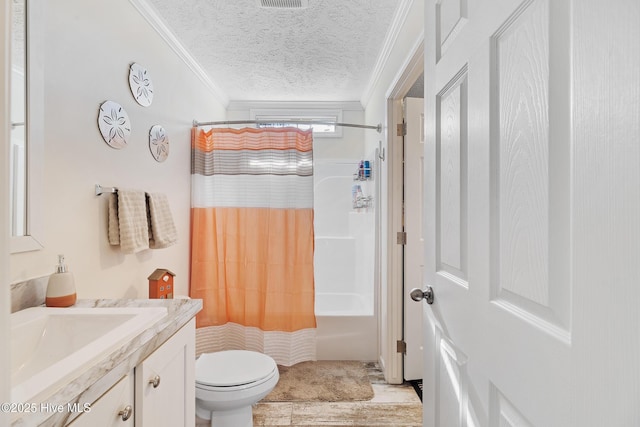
pixel 161 284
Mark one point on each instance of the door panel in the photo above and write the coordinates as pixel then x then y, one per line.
pixel 522 208
pixel 451 15
pixel 451 146
pixel 521 155
pixel 497 125
pixel 504 413
pixel 452 398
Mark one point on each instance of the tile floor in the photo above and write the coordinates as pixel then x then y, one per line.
pixel 391 406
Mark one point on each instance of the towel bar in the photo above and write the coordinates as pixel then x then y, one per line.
pixel 100 190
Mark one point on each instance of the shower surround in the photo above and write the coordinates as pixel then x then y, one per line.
pixel 343 264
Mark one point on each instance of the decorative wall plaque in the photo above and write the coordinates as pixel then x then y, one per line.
pixel 140 84
pixel 114 124
pixel 158 143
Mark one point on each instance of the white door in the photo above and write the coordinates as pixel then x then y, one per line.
pixel 414 247
pixel 532 167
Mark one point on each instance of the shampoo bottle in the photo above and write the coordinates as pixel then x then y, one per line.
pixel 61 289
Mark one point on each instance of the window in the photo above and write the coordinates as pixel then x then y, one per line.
pixel 288 118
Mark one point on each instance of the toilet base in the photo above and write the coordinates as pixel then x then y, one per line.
pixel 239 417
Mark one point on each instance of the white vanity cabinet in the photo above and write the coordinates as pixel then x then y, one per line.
pixel 165 383
pixel 159 391
pixel 112 409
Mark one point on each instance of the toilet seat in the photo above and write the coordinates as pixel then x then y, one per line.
pixel 233 369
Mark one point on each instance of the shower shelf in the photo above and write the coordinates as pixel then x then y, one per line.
pixel 358 191
pixel 364 172
pixel 362 202
pixel 357 177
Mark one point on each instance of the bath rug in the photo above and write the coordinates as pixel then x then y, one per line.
pixel 322 381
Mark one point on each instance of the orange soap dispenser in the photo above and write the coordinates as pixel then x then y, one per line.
pixel 61 289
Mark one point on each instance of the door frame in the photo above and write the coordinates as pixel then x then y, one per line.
pixel 391 332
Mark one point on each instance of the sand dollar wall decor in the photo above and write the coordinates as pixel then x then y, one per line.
pixel 140 84
pixel 158 143
pixel 114 124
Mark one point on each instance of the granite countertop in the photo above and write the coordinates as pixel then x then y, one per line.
pixel 89 385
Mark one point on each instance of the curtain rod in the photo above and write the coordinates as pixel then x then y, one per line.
pixel 196 123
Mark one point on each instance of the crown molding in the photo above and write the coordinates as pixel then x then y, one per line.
pixel 390 40
pixel 294 105
pixel 149 13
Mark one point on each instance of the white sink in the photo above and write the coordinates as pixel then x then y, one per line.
pixel 51 346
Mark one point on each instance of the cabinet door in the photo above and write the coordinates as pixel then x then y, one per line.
pixel 112 409
pixel 165 383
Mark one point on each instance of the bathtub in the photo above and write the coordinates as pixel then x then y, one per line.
pixel 347 327
pixel 343 304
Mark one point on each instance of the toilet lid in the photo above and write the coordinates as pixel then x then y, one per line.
pixel 233 367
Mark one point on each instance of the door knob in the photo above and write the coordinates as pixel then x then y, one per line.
pixel 419 294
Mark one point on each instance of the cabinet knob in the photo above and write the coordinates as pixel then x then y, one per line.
pixel 155 381
pixel 126 413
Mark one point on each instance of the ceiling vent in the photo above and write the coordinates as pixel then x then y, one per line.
pixel 283 4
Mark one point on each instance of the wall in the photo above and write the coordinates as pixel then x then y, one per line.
pixel 89 47
pixel 410 34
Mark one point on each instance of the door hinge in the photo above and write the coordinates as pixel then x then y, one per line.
pixel 402 129
pixel 401 347
pixel 401 238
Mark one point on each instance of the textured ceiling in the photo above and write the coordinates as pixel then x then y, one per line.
pixel 417 90
pixel 326 52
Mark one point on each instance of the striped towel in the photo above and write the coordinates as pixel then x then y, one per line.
pixel 162 231
pixel 128 225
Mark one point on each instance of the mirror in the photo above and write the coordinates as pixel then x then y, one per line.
pixel 17 155
pixel 27 104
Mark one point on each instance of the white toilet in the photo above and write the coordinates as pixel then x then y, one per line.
pixel 229 382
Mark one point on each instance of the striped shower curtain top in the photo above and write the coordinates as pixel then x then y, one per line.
pixel 253 168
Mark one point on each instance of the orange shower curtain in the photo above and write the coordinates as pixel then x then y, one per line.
pixel 252 241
